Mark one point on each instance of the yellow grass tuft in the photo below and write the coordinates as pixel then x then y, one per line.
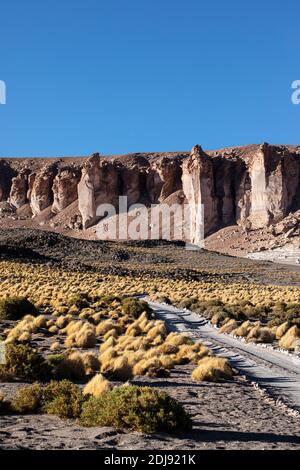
pixel 104 327
pixel 289 339
pixel 282 329
pixel 97 386
pixel 229 326
pixel 91 362
pixel 212 369
pixel 71 367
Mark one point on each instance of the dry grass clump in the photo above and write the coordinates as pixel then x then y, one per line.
pixel 243 329
pixel 109 343
pixel 177 339
pixel 97 386
pixel 40 321
pixel 151 367
pixel 24 337
pixel 213 369
pixel 282 329
pixel 104 327
pixel 62 321
pixel 26 325
pixel 260 334
pixel 290 338
pixel 54 346
pixel 91 363
pixel 229 326
pixel 71 367
pixel 81 335
pixel 121 369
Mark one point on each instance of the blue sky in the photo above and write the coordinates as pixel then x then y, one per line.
pixel 119 76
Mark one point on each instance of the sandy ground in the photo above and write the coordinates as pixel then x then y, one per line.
pixel 229 415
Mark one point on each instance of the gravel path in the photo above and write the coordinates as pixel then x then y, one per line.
pixel 275 371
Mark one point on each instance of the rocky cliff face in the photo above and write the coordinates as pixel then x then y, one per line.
pixel 252 186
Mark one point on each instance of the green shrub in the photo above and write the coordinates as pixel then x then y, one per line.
pixel 14 308
pixel 81 300
pixel 135 307
pixel 28 399
pixel 26 363
pixel 63 399
pixel 141 409
pixel 55 359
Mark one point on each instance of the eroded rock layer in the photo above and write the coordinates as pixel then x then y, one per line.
pixel 253 186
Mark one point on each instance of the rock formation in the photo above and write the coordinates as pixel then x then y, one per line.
pixel 253 186
pixel 41 195
pixel 18 190
pixel 64 189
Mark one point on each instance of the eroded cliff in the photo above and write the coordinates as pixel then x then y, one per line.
pixel 253 186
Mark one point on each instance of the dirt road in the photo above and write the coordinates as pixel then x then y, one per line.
pixel 275 371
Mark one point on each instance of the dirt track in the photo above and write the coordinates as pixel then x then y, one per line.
pixel 274 371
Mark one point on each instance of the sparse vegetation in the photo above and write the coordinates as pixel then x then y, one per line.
pixel 142 409
pixel 213 369
pixel 63 399
pixel 26 363
pixel 14 308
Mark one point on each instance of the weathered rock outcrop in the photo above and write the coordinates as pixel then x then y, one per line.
pixel 199 189
pixel 41 195
pixel 253 186
pixel 98 185
pixel 64 189
pixel 18 190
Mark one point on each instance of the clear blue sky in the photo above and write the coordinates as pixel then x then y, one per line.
pixel 119 76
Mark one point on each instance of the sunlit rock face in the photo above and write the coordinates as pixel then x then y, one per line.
pixel 64 189
pixel 253 186
pixel 18 190
pixel 41 195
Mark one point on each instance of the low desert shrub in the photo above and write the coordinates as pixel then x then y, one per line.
pixel 213 369
pixel 55 359
pixel 27 399
pixel 63 399
pixel 26 363
pixel 80 300
pixel 135 307
pixel 14 308
pixel 142 409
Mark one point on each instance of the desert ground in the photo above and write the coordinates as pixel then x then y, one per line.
pixel 204 305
